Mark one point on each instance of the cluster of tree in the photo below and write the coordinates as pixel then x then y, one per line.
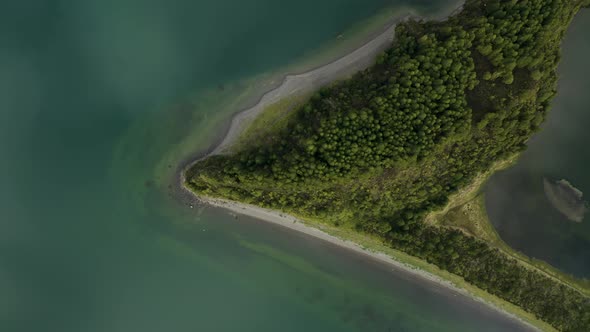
pixel 412 99
pixel 380 150
pixel 512 34
pixel 489 269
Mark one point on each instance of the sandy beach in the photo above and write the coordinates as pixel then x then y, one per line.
pixel 306 82
pixel 309 81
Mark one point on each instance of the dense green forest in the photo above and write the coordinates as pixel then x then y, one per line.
pixel 379 151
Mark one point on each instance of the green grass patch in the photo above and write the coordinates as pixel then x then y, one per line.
pixel 273 119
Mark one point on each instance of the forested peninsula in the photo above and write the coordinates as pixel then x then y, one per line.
pixel 384 152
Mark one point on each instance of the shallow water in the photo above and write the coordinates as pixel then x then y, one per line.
pixel 99 102
pixel 515 199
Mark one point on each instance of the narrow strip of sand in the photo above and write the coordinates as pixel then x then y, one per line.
pixel 306 82
pixel 309 81
pixel 293 223
pixel 313 79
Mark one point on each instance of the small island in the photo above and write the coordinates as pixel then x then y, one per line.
pixel 383 155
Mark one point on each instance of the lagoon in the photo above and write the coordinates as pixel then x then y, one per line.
pixel 515 198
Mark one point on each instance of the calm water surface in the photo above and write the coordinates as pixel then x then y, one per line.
pixel 99 102
pixel 515 199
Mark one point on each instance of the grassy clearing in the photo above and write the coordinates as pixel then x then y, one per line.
pixel 469 192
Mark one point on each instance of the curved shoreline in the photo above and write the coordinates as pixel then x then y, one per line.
pixel 357 59
pixel 310 80
pixel 293 223
pixel 296 84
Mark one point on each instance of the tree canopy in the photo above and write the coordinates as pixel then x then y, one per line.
pixel 379 151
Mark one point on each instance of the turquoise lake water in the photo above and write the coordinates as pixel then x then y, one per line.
pixel 515 199
pixel 100 101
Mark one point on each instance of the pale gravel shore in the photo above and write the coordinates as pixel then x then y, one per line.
pixel 285 220
pixel 311 80
pixel 303 83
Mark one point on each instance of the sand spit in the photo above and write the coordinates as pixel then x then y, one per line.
pixel 298 84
